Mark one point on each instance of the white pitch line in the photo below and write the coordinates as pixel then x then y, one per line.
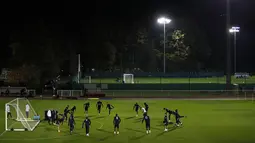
pixel 6 130
pixel 101 125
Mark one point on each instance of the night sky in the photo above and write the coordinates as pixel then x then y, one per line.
pixel 209 14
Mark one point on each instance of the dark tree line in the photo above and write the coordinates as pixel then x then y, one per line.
pixel 42 48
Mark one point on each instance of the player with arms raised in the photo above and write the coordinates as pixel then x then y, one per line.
pixel 169 112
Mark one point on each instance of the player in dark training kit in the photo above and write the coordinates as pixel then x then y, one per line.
pixel 165 121
pixel 87 124
pixel 66 111
pixel 146 118
pixel 86 108
pixel 99 106
pixel 71 123
pixel 60 121
pixel 110 107
pixel 177 118
pixel 73 109
pixel 116 123
pixel 146 106
pixel 169 112
pixel 136 107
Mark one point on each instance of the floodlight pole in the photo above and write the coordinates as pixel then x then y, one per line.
pixel 235 52
pixel 164 47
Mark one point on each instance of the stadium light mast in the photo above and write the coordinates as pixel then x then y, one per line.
pixel 234 30
pixel 164 21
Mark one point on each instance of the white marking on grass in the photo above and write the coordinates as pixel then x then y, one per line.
pixel 101 125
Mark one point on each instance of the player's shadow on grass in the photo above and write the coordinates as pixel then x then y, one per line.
pixel 137 138
pixel 130 117
pixel 99 117
pixel 102 130
pixel 135 130
pixel 169 130
pixel 105 138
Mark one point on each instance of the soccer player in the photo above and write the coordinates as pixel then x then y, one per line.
pixel 73 109
pixel 27 110
pixel 146 106
pixel 169 112
pixel 165 121
pixel 60 121
pixel 116 123
pixel 144 111
pixel 71 123
pixel 177 118
pixel 87 124
pixel 146 118
pixel 86 108
pixel 53 116
pixel 99 106
pixel 8 110
pixel 136 107
pixel 66 111
pixel 110 107
pixel 49 116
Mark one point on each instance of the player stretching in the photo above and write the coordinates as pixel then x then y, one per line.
pixel 165 121
pixel 66 111
pixel 136 107
pixel 87 124
pixel 147 123
pixel 71 123
pixel 169 112
pixel 9 114
pixel 110 107
pixel 99 106
pixel 116 123
pixel 146 106
pixel 177 118
pixel 27 110
pixel 86 108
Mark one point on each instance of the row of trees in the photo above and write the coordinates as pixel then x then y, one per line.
pixel 42 49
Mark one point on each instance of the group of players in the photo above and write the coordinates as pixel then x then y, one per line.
pixel 58 119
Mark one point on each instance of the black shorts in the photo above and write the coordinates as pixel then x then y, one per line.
pixel 116 126
pixel 86 109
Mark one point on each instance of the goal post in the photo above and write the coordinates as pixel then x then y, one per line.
pixel 20 115
pixel 128 78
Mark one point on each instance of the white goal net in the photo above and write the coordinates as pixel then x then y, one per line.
pixel 20 115
pixel 128 78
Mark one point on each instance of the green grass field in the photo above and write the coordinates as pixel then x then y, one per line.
pixel 207 122
pixel 146 80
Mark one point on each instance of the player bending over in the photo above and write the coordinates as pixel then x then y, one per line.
pixel 87 124
pixel 165 121
pixel 146 118
pixel 73 109
pixel 136 108
pixel 60 121
pixel 177 118
pixel 146 106
pixel 116 123
pixel 86 108
pixel 71 123
pixel 8 110
pixel 99 105
pixel 110 107
pixel 66 111
pixel 169 112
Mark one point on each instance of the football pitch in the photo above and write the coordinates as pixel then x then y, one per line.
pixel 208 121
pixel 155 80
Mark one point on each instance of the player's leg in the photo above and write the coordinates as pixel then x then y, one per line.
pixel 136 112
pixel 114 129
pixel 118 129
pixel 110 111
pixel 87 130
pixel 149 128
pixel 49 119
pixel 27 114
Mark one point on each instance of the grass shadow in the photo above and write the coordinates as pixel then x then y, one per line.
pixel 130 117
pixel 169 130
pixel 99 117
pixel 102 130
pixel 137 138
pixel 156 128
pixel 105 138
pixel 135 130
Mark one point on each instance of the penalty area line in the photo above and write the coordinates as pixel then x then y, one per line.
pixel 101 125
